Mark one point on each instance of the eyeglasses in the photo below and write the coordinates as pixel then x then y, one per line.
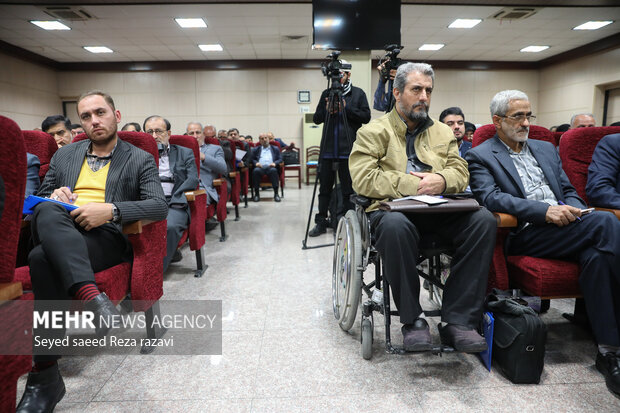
pixel 158 132
pixel 520 118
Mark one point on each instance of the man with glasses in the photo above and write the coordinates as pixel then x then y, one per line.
pixel 522 177
pixel 177 173
pixel 59 128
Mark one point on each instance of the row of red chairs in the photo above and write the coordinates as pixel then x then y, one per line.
pixel 544 277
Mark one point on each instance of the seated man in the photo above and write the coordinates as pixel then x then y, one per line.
pixel 76 129
pixel 32 177
pixel 470 128
pixel 603 187
pixel 582 120
pixel 402 153
pixel 212 161
pixel 131 127
pixel 265 158
pixel 522 177
pixel 59 128
pixel 93 231
pixel 177 173
pixel 455 119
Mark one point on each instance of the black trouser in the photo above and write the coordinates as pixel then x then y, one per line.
pixel 66 254
pixel 177 222
pixel 327 174
pixel 470 234
pixel 595 243
pixel 271 172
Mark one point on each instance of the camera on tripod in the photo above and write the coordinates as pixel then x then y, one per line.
pixel 333 68
pixel 390 61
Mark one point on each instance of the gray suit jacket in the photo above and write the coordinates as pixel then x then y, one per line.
pixel 132 185
pixel 496 184
pixel 213 164
pixel 183 168
pixel 32 177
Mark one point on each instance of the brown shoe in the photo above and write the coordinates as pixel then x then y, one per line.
pixel 416 336
pixel 462 338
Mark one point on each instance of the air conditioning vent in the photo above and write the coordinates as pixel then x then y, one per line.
pixel 516 13
pixel 291 38
pixel 68 13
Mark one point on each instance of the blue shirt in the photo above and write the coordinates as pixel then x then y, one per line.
pixel 266 157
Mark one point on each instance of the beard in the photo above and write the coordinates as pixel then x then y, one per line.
pixel 413 115
pixel 519 135
pixel 102 140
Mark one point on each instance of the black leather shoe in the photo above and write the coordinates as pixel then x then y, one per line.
pixel 177 256
pixel 276 198
pixel 103 309
pixel 609 366
pixel 462 338
pixel 44 389
pixel 416 336
pixel 256 197
pixel 317 230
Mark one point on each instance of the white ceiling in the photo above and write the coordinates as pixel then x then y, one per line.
pixel 257 31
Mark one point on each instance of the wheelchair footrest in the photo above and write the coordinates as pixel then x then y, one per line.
pixel 436 349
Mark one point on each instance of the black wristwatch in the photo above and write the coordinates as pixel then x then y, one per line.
pixel 116 214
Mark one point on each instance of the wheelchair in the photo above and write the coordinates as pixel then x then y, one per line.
pixel 353 252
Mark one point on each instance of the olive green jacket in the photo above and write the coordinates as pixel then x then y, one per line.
pixel 378 161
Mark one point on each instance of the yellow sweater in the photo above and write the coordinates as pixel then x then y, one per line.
pixel 90 186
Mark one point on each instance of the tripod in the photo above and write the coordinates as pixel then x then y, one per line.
pixel 335 106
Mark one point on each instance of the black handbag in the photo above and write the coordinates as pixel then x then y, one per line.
pixel 519 339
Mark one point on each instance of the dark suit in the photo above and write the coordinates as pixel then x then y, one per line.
pixel 603 188
pixel 65 254
pixel 185 175
pixel 465 146
pixel 271 172
pixel 32 174
pixel 594 241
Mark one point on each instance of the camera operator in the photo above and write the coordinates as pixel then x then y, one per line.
pixel 383 99
pixel 338 140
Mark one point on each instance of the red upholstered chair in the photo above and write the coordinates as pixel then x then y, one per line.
pixel 197 201
pixel 576 149
pixel 312 161
pixel 43 145
pixel 219 209
pixel 293 167
pixel 137 284
pixel 244 172
pixel 13 173
pixel 546 278
pixel 556 137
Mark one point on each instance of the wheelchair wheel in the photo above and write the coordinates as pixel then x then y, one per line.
pixel 347 270
pixel 366 338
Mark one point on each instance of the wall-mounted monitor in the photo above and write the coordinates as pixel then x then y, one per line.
pixel 355 24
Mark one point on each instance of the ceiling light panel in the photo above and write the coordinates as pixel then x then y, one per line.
pixel 464 23
pixel 98 49
pixel 50 25
pixel 191 23
pixel 534 49
pixel 211 47
pixel 436 46
pixel 593 25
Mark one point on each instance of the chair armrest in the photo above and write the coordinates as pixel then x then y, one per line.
pixel 10 291
pixel 616 212
pixel 191 195
pixel 136 226
pixel 505 220
pixel 217 182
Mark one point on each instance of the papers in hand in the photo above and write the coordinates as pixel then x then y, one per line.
pixel 239 154
pixel 427 199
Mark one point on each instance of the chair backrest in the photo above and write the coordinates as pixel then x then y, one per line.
pixel 41 144
pixel 188 142
pixel 212 141
pixel 13 173
pixel 312 153
pixel 576 149
pixel 488 131
pixel 557 136
pixel 276 144
pixel 140 140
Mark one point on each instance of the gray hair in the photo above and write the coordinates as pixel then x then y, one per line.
pixel 500 102
pixel 193 123
pixel 400 80
pixel 572 120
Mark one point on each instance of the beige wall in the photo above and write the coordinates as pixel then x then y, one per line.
pixel 28 92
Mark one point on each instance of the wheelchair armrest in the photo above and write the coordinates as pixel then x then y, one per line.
pixel 191 195
pixel 361 200
pixel 505 220
pixel 616 212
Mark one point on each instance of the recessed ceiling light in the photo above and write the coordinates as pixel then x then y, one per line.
pixel 98 49
pixel 534 49
pixel 593 25
pixel 211 47
pixel 50 25
pixel 191 23
pixel 431 46
pixel 464 23
pixel 327 22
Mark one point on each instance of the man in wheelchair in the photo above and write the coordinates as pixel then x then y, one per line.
pixel 403 153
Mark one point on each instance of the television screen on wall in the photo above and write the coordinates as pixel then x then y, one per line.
pixel 355 24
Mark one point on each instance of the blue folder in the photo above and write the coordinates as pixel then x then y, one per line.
pixel 487 329
pixel 33 200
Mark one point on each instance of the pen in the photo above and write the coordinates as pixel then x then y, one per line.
pixel 562 203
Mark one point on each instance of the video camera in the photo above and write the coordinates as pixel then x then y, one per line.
pixel 332 69
pixel 390 61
